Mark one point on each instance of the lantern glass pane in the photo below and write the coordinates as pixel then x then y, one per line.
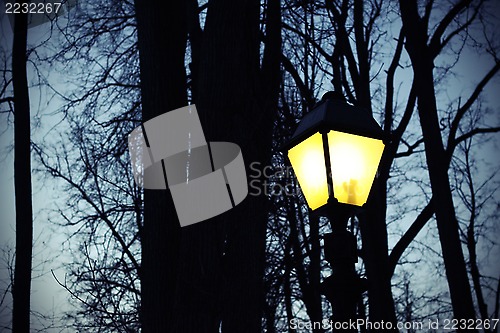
pixel 308 163
pixel 354 160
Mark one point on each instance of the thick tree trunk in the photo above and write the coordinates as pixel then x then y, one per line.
pixel 375 255
pixel 422 62
pixel 22 180
pixel 221 283
pixel 447 223
pixel 162 36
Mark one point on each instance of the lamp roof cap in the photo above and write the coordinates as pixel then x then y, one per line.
pixel 334 113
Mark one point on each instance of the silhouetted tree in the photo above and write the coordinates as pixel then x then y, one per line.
pixel 100 207
pixel 21 288
pixel 162 38
pixel 224 257
pixel 423 48
pixel 475 219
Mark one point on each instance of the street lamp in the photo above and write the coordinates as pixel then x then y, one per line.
pixel 335 152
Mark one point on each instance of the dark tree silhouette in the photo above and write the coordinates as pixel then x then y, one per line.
pixel 223 259
pixel 422 50
pixel 21 287
pixel 162 37
pixel 101 214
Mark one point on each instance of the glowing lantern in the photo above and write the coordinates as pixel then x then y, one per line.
pixel 335 153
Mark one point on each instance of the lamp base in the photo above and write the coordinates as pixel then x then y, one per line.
pixel 344 287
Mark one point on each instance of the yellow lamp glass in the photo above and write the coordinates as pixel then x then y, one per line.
pixel 308 162
pixel 354 162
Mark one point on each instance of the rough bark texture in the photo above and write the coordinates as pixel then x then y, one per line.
pixel 422 61
pixel 162 36
pixel 22 180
